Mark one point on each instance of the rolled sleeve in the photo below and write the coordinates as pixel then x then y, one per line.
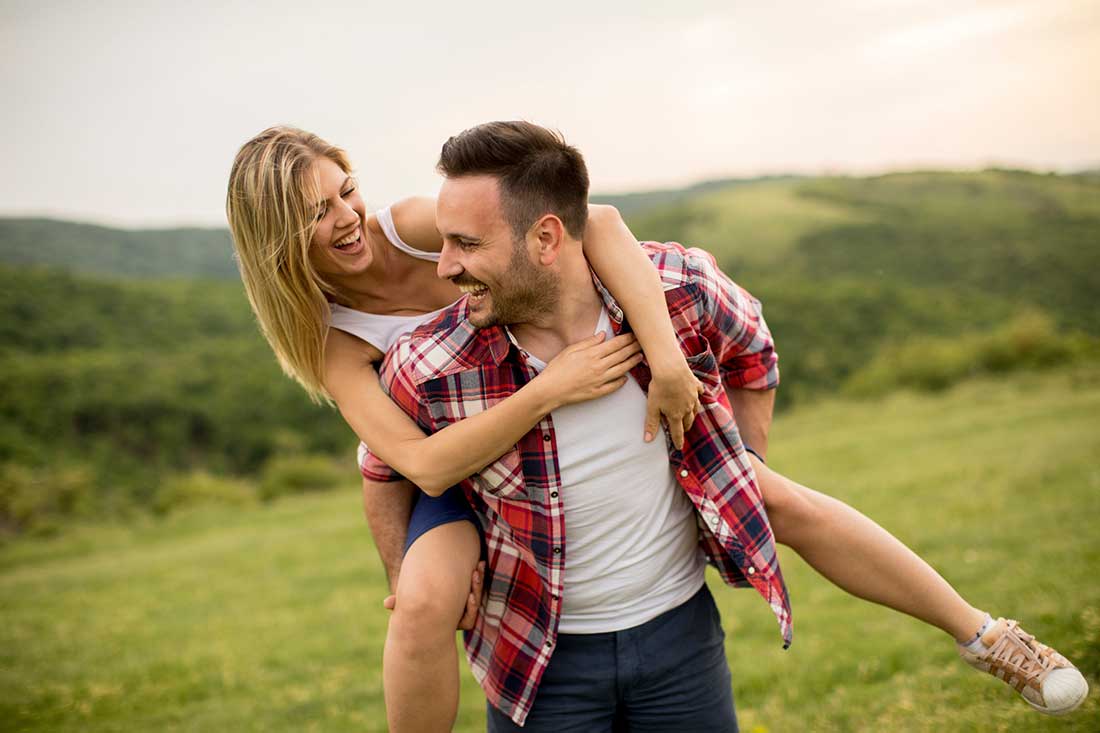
pixel 374 468
pixel 733 323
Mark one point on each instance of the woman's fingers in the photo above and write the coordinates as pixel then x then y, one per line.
pixel 616 370
pixel 676 432
pixel 622 342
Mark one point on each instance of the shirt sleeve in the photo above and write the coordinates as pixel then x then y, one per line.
pixel 396 378
pixel 733 323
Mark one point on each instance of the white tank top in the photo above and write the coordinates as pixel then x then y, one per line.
pixel 381 331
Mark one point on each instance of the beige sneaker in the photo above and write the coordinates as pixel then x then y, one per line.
pixel 1044 678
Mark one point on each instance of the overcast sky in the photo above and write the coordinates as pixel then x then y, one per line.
pixel 131 112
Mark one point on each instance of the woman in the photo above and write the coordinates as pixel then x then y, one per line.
pixel 318 269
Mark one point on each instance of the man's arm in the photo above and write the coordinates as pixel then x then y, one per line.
pixel 752 409
pixel 388 506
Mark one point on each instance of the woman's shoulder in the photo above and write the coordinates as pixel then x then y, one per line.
pixel 342 347
pixel 414 221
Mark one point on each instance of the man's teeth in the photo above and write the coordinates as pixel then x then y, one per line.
pixel 348 239
pixel 473 289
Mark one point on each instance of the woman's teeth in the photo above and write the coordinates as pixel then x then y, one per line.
pixel 348 240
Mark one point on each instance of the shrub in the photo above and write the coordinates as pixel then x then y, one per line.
pixel 299 473
pixel 1029 341
pixel 198 488
pixel 33 499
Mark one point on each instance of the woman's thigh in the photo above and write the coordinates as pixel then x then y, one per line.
pixel 437 568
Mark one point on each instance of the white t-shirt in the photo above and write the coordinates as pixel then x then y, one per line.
pixel 632 549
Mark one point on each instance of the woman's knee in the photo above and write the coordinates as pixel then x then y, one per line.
pixel 435 581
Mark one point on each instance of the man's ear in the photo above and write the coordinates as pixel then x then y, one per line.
pixel 547 235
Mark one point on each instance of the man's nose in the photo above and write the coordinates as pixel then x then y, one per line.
pixel 448 267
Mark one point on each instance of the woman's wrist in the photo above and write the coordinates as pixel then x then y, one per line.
pixel 542 398
pixel 667 367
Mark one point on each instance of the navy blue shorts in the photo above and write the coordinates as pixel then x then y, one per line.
pixel 432 511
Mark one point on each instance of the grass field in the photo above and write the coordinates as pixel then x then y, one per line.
pixel 270 619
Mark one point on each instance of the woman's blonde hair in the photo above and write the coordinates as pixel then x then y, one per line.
pixel 272 207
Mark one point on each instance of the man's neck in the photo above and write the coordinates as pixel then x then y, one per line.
pixel 573 318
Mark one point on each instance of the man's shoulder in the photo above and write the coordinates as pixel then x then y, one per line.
pixel 679 266
pixel 446 344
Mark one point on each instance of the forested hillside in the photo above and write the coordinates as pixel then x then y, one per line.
pixel 191 252
pixel 132 373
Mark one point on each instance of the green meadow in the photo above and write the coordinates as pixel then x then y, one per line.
pixel 269 618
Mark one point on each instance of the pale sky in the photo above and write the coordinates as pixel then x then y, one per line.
pixel 131 112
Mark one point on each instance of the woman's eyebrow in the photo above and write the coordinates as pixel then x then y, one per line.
pixel 319 204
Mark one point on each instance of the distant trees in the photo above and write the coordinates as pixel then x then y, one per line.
pixel 118 395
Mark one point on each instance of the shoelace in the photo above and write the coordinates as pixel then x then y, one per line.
pixel 1018 649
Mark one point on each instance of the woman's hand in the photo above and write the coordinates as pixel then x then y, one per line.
pixel 589 369
pixel 673 395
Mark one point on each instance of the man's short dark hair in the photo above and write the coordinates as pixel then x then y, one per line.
pixel 538 172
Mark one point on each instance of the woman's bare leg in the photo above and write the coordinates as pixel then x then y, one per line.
pixel 860 557
pixel 420 663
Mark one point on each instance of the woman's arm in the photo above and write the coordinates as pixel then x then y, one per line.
pixel 583 371
pixel 624 268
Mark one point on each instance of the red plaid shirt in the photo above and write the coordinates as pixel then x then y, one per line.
pixel 447 370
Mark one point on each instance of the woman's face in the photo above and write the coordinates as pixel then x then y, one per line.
pixel 339 244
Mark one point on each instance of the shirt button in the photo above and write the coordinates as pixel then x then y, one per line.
pixel 549 643
pixel 714 521
pixel 684 473
pixel 553 495
pixel 751 571
pixel 546 438
pixel 557 550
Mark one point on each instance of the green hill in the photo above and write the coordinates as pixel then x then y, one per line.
pixel 1019 237
pixel 849 268
pixel 111 385
pixel 186 252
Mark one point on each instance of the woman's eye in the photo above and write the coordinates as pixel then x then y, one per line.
pixel 349 192
pixel 320 214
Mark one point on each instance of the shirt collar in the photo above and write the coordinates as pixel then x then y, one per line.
pixel 613 309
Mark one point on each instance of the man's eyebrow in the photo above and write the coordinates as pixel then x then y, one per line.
pixel 463 237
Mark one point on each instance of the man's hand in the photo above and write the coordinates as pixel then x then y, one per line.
pixel 674 396
pixel 473 600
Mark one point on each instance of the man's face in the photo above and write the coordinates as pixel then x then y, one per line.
pixel 483 257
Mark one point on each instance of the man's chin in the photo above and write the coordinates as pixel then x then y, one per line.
pixel 482 317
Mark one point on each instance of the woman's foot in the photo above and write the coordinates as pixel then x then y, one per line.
pixel 1045 679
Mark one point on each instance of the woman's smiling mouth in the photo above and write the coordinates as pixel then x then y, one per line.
pixel 351 244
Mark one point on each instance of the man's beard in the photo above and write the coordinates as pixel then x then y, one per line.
pixel 530 292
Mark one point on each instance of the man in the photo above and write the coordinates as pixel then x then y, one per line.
pixel 595 613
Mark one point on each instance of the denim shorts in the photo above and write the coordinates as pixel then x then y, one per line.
pixel 668 674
